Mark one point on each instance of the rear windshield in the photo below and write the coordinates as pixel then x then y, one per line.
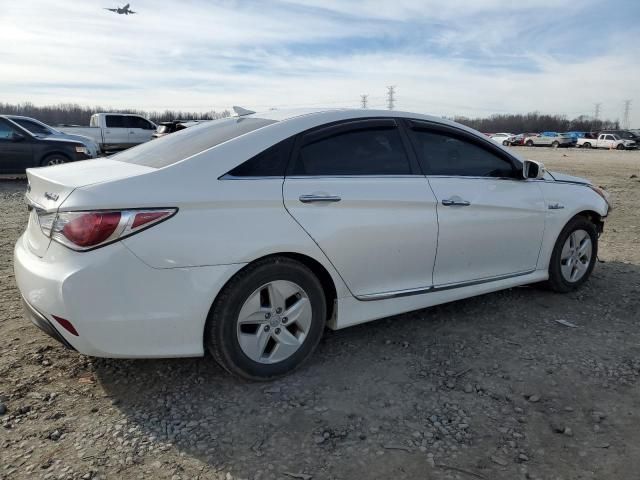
pixel 172 148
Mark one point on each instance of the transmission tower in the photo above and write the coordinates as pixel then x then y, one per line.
pixel 627 110
pixel 391 90
pixel 596 114
pixel 363 100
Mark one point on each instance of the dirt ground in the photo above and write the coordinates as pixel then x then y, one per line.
pixel 487 388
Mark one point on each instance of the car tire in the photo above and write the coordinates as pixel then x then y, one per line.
pixel 505 143
pixel 574 255
pixel 586 145
pixel 54 159
pixel 530 143
pixel 620 147
pixel 555 144
pixel 252 347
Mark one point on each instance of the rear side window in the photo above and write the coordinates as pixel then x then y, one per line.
pixel 190 141
pixel 371 151
pixel 6 131
pixel 115 121
pixel 270 163
pixel 442 154
pixel 33 127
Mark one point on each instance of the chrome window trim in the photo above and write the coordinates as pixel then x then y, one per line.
pixel 437 288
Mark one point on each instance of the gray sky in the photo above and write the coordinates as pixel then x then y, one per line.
pixel 445 57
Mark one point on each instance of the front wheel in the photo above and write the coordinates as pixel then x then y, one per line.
pixel 267 320
pixel 529 143
pixel 574 255
pixel 555 144
pixel 505 143
pixel 620 147
pixel 54 159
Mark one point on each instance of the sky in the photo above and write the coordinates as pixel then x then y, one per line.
pixel 471 58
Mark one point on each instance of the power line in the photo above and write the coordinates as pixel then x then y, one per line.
pixel 627 110
pixel 363 100
pixel 391 90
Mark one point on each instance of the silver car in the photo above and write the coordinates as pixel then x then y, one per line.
pixel 550 139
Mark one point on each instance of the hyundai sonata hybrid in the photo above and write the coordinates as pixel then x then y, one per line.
pixel 246 236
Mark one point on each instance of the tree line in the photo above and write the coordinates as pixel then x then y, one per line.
pixel 74 114
pixel 537 122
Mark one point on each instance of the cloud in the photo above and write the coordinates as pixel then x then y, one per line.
pixel 446 58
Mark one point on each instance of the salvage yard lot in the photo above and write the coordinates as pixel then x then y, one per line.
pixel 522 383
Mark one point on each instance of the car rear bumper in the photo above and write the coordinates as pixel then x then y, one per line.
pixel 43 323
pixel 119 306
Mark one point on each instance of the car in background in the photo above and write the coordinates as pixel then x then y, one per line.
pixel 165 128
pixel 42 130
pixel 624 134
pixel 608 140
pixel 550 139
pixel 503 138
pixel 246 236
pixel 20 149
pixel 115 131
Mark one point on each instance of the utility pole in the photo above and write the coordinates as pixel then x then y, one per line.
pixel 391 90
pixel 363 100
pixel 627 110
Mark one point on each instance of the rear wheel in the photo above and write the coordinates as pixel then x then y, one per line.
pixel 267 320
pixel 574 255
pixel 586 145
pixel 54 159
pixel 555 144
pixel 505 143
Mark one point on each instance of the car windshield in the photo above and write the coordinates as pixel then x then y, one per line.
pixel 172 148
pixel 33 127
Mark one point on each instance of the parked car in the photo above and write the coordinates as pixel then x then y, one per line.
pixel 19 149
pixel 607 140
pixel 115 131
pixel 519 139
pixel 624 134
pixel 42 130
pixel 503 138
pixel 246 236
pixel 549 139
pixel 165 128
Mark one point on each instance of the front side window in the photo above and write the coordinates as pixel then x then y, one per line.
pixel 371 151
pixel 440 153
pixel 137 122
pixel 6 131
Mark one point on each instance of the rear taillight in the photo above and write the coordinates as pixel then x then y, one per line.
pixel 89 230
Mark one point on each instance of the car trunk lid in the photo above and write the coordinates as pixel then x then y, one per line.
pixel 49 187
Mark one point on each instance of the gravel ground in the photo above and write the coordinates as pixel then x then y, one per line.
pixel 487 388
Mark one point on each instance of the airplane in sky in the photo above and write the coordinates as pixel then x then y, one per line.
pixel 122 11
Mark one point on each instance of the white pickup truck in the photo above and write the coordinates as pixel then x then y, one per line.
pixel 114 131
pixel 606 140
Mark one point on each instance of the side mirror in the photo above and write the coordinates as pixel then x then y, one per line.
pixel 17 137
pixel 534 170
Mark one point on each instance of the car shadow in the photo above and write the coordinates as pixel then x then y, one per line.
pixel 363 384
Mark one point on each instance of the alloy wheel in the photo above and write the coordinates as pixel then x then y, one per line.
pixel 576 255
pixel 274 321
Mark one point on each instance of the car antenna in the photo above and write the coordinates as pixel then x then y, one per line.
pixel 241 112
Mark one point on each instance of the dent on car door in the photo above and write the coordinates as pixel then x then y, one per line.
pixel 356 191
pixel 490 221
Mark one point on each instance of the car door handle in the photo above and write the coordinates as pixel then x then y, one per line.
pixel 319 198
pixel 455 202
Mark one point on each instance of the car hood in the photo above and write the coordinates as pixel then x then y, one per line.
pixel 563 177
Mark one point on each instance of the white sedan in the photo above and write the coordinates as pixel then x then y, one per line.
pixel 503 138
pixel 246 236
